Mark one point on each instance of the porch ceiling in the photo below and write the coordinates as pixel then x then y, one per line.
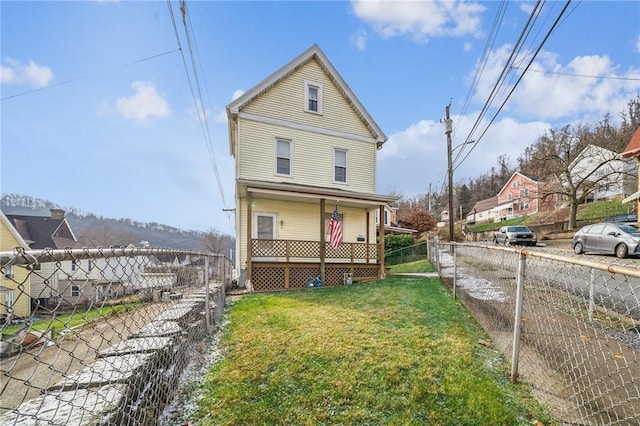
pixel 310 194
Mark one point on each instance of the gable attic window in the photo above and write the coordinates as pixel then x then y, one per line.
pixel 340 165
pixel 283 157
pixel 313 97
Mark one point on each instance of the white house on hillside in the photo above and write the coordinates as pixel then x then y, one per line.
pixel 607 175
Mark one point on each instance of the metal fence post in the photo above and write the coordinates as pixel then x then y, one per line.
pixel 517 322
pixel 207 293
pixel 592 292
pixel 455 269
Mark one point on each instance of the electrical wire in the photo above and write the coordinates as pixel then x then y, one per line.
pixel 551 30
pixel 197 100
pixel 501 78
pixel 598 77
pixel 73 80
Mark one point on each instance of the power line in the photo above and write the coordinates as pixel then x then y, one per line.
pixel 603 77
pixel 73 80
pixel 197 100
pixel 553 27
pixel 501 78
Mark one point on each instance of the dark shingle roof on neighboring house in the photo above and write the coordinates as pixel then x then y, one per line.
pixel 42 232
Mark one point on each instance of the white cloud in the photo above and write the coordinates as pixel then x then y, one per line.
pixel 359 40
pixel 417 156
pixel 421 19
pixel 31 74
pixel 551 90
pixel 638 44
pixel 237 94
pixel 146 102
pixel 221 117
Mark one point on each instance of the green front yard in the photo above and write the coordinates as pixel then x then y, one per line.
pixel 391 352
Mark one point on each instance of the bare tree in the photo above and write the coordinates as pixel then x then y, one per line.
pixel 216 242
pixel 573 166
pixel 105 237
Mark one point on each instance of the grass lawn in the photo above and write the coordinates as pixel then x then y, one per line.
pixel 412 267
pixel 62 321
pixel 391 352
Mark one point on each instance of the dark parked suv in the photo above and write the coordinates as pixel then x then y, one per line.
pixel 517 235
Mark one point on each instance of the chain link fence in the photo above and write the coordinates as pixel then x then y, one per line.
pixel 103 336
pixel 406 254
pixel 570 327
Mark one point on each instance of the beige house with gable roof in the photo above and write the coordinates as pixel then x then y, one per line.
pixel 303 146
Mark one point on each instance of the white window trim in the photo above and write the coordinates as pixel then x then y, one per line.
pixel 307 84
pixel 346 166
pixel 9 301
pixel 254 228
pixel 275 157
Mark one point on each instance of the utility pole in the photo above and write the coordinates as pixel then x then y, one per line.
pixel 448 128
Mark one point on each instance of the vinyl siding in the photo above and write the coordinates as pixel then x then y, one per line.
pixel 21 299
pixel 311 157
pixel 300 221
pixel 285 101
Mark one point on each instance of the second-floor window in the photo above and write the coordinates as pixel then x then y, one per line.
pixel 74 265
pixel 313 97
pixel 283 157
pixel 340 165
pixel 509 197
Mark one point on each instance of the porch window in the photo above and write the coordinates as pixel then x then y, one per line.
pixel 340 165
pixel 265 230
pixel 313 97
pixel 283 157
pixel 265 227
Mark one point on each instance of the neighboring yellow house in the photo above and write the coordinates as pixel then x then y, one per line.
pixel 303 146
pixel 14 279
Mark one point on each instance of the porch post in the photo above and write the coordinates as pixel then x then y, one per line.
pixel 322 242
pixel 381 241
pixel 249 218
pixel 368 239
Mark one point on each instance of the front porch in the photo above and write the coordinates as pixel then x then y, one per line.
pixel 289 264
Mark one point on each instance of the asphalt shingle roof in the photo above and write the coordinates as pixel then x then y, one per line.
pixel 42 232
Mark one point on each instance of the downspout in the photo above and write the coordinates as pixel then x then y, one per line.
pixel 381 273
pixel 249 250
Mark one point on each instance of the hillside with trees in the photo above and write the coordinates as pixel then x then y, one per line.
pixel 97 231
pixel 548 159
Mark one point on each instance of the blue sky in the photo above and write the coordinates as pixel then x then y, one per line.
pixel 97 112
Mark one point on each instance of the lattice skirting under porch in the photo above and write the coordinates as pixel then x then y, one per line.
pixel 271 276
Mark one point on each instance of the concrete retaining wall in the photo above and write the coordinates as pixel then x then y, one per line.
pixel 131 382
